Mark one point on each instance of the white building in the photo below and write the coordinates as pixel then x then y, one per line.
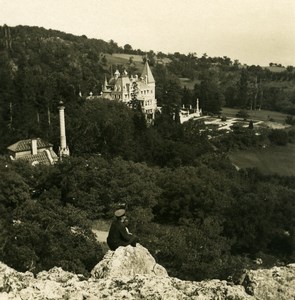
pixel 121 87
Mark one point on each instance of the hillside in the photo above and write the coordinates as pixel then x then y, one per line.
pixel 77 64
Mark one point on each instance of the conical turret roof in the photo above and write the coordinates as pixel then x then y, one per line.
pixel 147 72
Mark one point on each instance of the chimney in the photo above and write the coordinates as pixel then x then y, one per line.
pixel 34 146
pixel 63 149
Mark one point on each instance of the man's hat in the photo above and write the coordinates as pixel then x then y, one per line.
pixel 120 212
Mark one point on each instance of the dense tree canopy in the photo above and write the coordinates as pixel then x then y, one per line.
pixel 222 217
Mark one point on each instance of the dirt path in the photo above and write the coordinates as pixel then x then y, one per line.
pixel 101 236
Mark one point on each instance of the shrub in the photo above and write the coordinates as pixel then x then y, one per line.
pixel 278 137
pixel 190 251
pixel 242 114
pixel 44 235
pixel 289 120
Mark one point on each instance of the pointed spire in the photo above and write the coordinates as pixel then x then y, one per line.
pixel 147 72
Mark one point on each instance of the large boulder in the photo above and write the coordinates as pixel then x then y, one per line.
pixel 128 261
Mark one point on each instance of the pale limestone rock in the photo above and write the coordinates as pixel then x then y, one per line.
pixel 211 289
pixel 275 283
pixel 11 280
pixel 136 279
pixel 128 261
pixel 58 275
pixel 4 296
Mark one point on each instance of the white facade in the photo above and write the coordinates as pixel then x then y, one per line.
pixel 122 88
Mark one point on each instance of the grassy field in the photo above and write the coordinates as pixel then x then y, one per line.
pixel 123 56
pixel 273 160
pixel 262 115
pixel 123 59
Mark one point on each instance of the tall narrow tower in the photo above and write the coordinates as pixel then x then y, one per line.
pixel 63 148
pixel 197 112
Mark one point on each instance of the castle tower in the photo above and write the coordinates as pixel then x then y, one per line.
pixel 149 80
pixel 63 149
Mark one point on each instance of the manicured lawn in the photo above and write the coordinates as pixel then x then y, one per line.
pixel 262 115
pixel 136 58
pixel 275 159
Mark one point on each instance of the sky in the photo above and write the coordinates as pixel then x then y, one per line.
pixel 256 32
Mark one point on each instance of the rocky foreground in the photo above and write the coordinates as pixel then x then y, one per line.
pixel 132 273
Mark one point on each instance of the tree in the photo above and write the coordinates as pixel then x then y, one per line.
pixel 45 235
pixel 113 46
pixel 177 115
pixel 171 93
pixel 210 96
pixel 13 189
pixel 127 48
pixel 230 95
pixel 242 98
pixel 187 97
pixel 104 127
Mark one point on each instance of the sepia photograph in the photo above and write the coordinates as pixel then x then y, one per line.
pixel 147 149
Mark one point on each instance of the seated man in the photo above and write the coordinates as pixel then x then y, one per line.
pixel 118 234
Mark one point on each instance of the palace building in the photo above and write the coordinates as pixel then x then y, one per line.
pixel 123 88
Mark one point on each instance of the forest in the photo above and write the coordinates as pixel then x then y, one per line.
pixel 196 213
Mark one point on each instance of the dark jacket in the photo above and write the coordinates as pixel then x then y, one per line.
pixel 118 236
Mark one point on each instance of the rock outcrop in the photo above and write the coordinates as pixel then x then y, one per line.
pixel 128 261
pixel 132 273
